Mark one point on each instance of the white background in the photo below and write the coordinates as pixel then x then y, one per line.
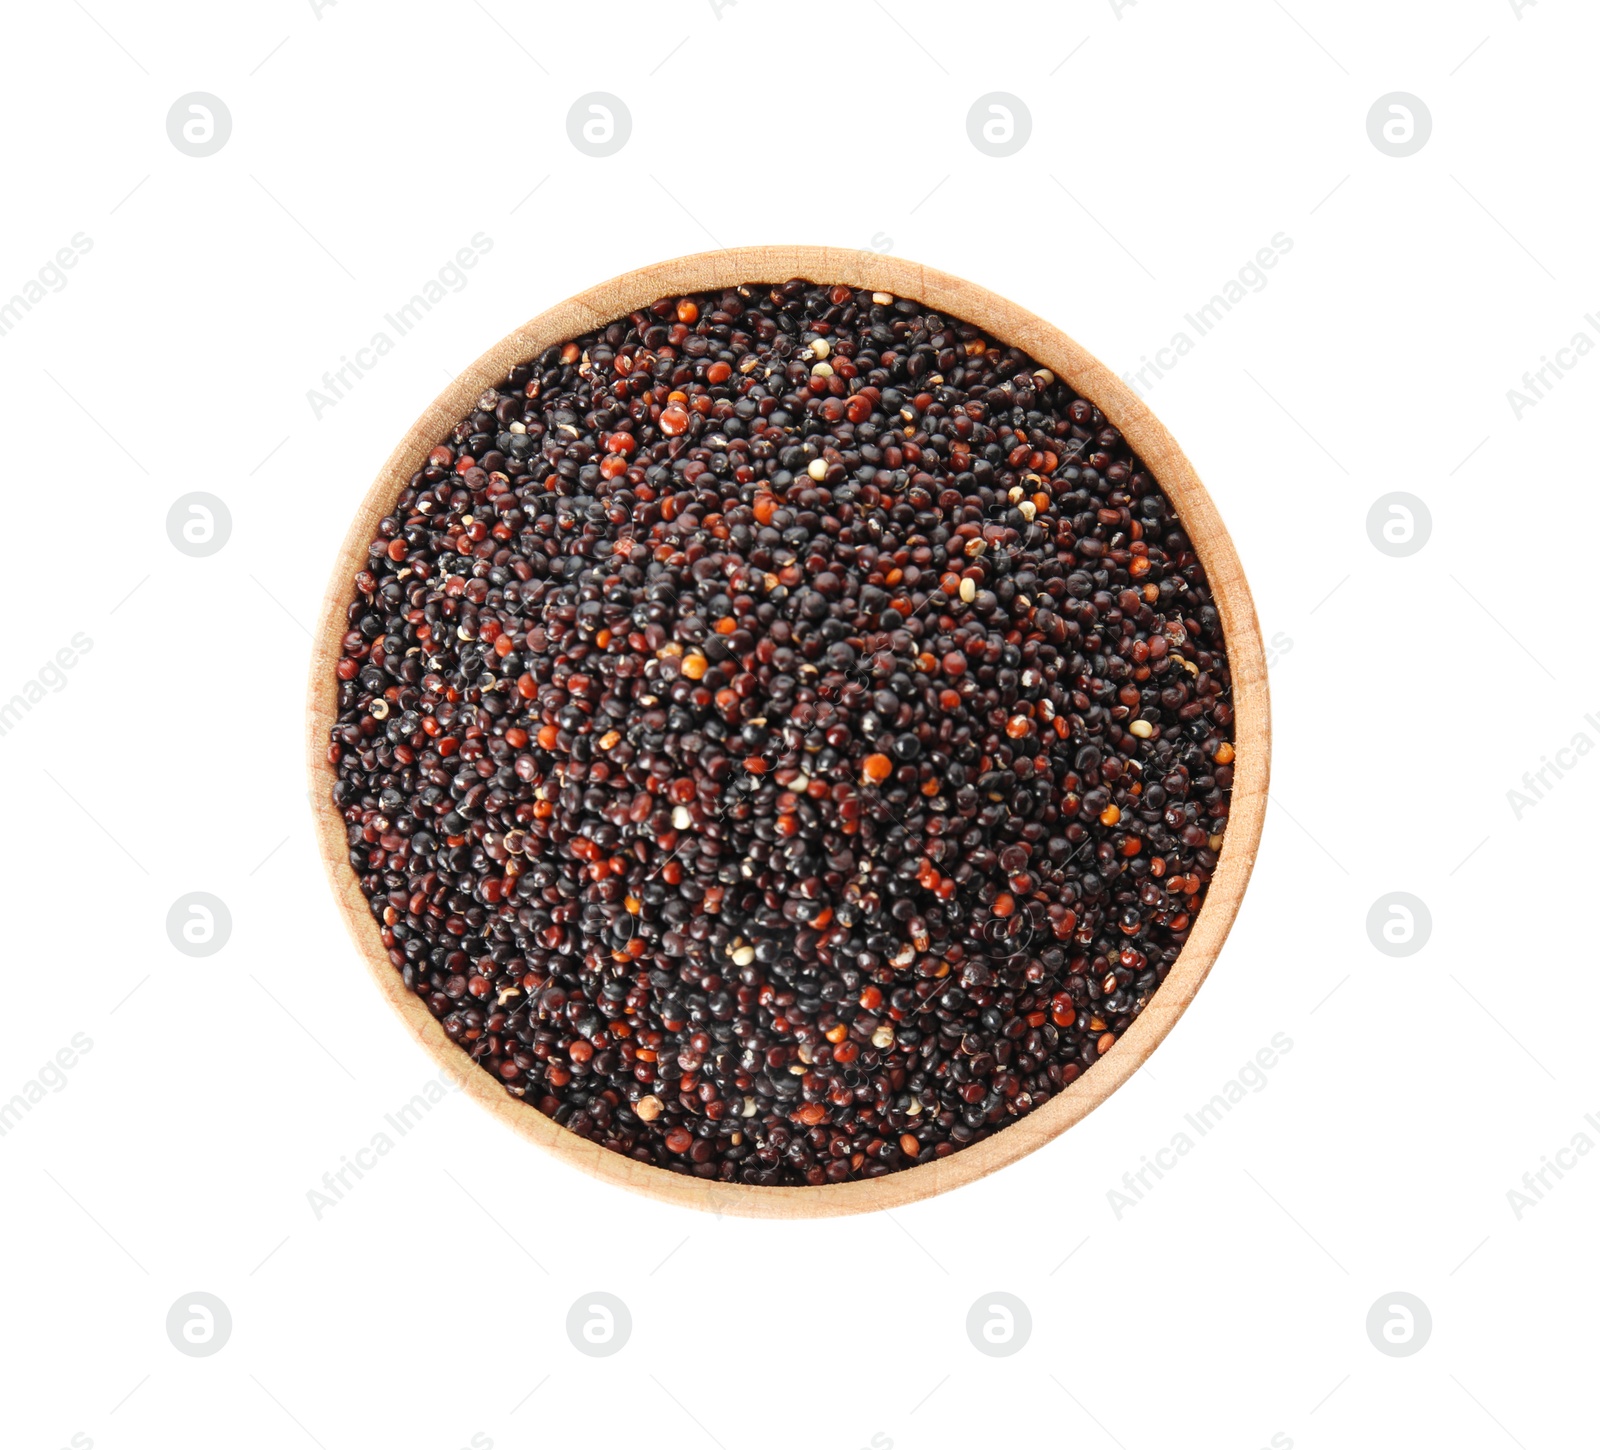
pixel 1169 143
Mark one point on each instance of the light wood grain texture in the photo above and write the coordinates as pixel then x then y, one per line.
pixel 1010 324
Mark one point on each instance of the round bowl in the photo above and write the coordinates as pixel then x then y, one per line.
pixel 1052 348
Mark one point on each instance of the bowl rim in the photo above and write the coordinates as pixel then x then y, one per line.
pixel 1015 326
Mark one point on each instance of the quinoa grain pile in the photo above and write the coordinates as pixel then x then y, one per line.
pixel 784 736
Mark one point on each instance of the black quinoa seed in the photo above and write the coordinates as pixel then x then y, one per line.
pixel 784 736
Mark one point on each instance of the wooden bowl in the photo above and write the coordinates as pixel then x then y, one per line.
pixel 1010 324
